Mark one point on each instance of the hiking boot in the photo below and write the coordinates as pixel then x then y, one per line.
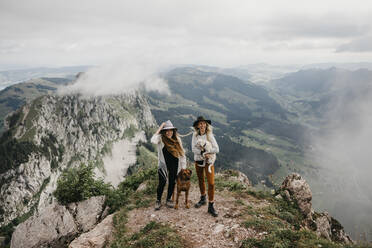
pixel 211 209
pixel 169 203
pixel 157 205
pixel 201 202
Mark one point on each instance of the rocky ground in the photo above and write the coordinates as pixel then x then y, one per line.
pixel 195 225
pixel 247 218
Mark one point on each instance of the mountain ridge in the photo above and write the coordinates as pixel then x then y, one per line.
pixel 56 132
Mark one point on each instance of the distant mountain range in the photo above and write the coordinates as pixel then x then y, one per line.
pixel 10 77
pixel 14 96
pixel 252 129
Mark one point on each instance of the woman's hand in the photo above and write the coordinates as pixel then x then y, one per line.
pixel 160 128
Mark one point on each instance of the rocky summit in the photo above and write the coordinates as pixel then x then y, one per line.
pixel 247 218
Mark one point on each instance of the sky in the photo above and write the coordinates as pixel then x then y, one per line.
pixel 220 33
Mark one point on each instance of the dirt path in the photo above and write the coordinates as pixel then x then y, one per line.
pixel 195 225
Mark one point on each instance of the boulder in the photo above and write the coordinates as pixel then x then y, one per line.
pixel 97 237
pixel 297 189
pixel 330 228
pixel 54 226
pixel 236 176
pixel 87 213
pixel 323 226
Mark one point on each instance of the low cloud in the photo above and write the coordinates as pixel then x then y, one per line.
pixel 118 78
pixel 342 152
pixel 363 44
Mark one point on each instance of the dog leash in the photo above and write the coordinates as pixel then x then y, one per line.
pixel 189 133
pixel 185 135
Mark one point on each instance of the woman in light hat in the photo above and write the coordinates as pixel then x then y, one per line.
pixel 203 131
pixel 171 159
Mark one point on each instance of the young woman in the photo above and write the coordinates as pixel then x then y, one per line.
pixel 171 159
pixel 203 131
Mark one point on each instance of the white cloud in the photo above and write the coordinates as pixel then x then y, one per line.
pixel 216 32
pixel 118 78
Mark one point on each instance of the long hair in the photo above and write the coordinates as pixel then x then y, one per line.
pixel 173 145
pixel 208 131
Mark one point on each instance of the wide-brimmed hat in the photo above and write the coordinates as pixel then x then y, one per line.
pixel 201 118
pixel 168 125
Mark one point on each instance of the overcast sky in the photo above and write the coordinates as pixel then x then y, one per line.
pixel 221 33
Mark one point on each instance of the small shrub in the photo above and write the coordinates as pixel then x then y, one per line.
pixel 77 184
pixel 125 193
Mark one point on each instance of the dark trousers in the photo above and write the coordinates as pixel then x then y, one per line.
pixel 172 176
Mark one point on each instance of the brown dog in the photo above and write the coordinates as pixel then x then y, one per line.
pixel 183 184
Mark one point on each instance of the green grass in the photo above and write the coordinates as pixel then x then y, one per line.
pixel 263 224
pixel 130 132
pixel 286 238
pixel 153 235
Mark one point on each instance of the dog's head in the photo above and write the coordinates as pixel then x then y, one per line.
pixel 185 174
pixel 200 143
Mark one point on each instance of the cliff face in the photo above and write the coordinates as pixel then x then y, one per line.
pixel 52 133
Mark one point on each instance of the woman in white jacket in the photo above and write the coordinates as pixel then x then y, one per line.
pixel 171 159
pixel 203 133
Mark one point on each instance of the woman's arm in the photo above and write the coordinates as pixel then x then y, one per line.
pixel 155 139
pixel 215 148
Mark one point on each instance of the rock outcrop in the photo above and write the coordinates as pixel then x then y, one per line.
pixel 98 237
pixel 296 189
pixel 57 225
pixel 54 226
pixel 65 131
pixel 87 213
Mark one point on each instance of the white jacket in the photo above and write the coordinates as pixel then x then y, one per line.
pixel 197 152
pixel 156 139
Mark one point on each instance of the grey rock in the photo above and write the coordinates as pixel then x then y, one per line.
pixel 142 187
pixel 97 237
pixel 331 229
pixel 298 190
pixel 279 197
pixel 105 212
pixel 218 228
pixel 54 226
pixel 323 226
pixel 87 213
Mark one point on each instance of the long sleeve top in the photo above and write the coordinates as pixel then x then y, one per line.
pixel 197 152
pixel 156 139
